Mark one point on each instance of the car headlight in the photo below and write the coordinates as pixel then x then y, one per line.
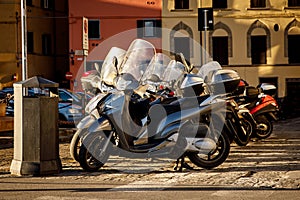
pixel 73 111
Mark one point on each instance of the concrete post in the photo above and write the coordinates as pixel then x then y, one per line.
pixel 36 140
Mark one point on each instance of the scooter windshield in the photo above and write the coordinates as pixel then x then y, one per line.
pixel 174 71
pixel 135 63
pixel 108 71
pixel 155 71
pixel 206 70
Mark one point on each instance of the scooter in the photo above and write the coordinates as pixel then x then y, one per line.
pixel 239 121
pixel 159 130
pixel 264 109
pixel 99 81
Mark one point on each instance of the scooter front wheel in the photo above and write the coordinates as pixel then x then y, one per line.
pixel 92 156
pixel 76 143
pixel 215 157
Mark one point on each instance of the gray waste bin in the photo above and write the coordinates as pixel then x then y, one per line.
pixel 36 140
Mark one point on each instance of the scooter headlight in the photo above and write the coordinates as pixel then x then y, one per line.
pixel 274 104
pixel 93 103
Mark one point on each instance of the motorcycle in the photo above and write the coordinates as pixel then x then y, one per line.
pixel 133 126
pixel 263 107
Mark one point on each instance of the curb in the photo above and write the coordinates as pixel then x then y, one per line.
pixel 7 139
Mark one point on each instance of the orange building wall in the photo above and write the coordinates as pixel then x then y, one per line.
pixel 116 17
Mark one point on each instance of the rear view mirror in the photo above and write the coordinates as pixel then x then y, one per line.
pixel 115 63
pixel 97 67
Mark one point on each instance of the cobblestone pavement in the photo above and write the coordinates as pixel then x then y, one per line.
pixel 273 163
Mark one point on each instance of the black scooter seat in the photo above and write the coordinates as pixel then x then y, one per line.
pixel 183 104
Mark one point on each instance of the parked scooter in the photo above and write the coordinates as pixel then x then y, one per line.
pixel 239 121
pixel 101 82
pixel 158 130
pixel 263 107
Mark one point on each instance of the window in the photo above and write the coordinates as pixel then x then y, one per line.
pixel 294 3
pixel 182 45
pixel 30 42
pixel 219 3
pixel 90 65
pixel 46 44
pixel 258 49
pixel 258 3
pixel 270 80
pixel 220 50
pixel 94 29
pixel 47 4
pixel 149 28
pixel 182 4
pixel 28 2
pixel 294 49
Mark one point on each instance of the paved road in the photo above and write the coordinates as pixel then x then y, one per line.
pixel 267 169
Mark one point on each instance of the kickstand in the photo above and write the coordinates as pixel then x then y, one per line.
pixel 183 164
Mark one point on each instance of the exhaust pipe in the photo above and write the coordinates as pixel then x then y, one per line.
pixel 202 145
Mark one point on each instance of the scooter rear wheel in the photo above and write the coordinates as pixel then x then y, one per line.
pixel 214 158
pixel 264 132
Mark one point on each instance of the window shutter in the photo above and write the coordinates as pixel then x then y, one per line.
pixel 158 28
pixel 140 28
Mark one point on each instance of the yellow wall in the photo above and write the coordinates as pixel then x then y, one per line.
pixel 8 41
pixel 40 21
pixel 239 18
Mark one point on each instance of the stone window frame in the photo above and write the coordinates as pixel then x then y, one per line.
pixel 178 27
pixel 221 25
pixel 258 24
pixel 294 23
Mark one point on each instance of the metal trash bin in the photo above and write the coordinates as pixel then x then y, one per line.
pixel 36 139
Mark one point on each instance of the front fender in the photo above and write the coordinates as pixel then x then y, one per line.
pixel 99 125
pixel 86 122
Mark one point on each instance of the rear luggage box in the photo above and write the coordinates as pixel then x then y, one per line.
pixel 224 81
pixel 252 92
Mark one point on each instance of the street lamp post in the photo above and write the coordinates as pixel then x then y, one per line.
pixel 205 23
pixel 24 40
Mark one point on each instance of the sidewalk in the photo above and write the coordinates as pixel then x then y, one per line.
pixel 264 169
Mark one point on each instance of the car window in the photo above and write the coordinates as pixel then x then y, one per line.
pixel 75 94
pixel 64 96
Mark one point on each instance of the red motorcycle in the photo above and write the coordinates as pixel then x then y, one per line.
pixel 263 107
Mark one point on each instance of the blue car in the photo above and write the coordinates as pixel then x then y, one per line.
pixel 70 108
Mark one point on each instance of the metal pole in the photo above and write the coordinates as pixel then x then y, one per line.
pixel 24 40
pixel 84 61
pixel 84 70
pixel 205 34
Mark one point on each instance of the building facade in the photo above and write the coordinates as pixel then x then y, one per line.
pixel 260 39
pixel 110 23
pixel 47 44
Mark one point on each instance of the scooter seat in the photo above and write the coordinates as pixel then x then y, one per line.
pixel 185 103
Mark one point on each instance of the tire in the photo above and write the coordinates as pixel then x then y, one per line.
pixel 216 157
pixel 89 154
pixel 263 134
pixel 76 143
pixel 246 138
